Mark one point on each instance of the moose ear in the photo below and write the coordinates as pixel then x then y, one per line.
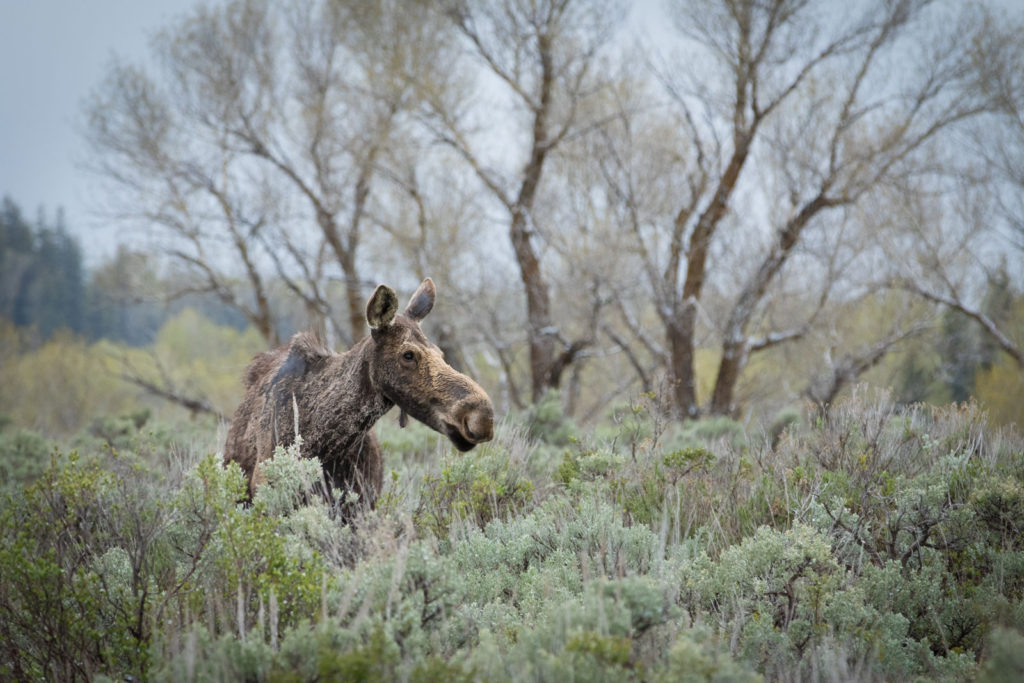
pixel 422 301
pixel 382 307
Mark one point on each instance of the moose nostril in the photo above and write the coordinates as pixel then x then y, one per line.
pixel 467 428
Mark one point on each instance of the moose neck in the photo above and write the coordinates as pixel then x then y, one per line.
pixel 354 403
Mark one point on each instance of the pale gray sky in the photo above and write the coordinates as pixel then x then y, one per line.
pixel 52 53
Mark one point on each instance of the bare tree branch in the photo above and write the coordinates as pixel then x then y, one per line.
pixel 954 303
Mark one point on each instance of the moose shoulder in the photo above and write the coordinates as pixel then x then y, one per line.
pixel 339 397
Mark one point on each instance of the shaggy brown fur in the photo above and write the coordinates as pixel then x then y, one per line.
pixel 340 396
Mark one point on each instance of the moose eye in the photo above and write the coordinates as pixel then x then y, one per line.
pixel 409 355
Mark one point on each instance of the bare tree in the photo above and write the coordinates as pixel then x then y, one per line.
pixel 542 56
pixel 879 134
pixel 796 109
pixel 999 73
pixel 135 145
pixel 964 242
pixel 954 264
pixel 258 149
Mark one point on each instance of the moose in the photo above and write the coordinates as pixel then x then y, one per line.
pixel 334 399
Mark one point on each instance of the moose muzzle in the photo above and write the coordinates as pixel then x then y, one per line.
pixel 472 422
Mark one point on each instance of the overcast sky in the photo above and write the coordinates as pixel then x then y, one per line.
pixel 52 53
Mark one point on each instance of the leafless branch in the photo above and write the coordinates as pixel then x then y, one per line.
pixel 953 302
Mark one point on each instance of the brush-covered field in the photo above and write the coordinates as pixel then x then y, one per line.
pixel 870 543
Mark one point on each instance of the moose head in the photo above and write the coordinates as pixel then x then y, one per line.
pixel 411 372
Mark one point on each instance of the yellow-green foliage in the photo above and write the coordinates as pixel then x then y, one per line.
pixel 66 384
pixel 206 359
pixel 60 386
pixel 1000 388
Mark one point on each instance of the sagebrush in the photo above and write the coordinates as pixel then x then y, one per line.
pixel 871 542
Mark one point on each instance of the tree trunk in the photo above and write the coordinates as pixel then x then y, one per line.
pixel 682 375
pixel 538 301
pixel 538 307
pixel 734 348
pixel 734 358
pixel 355 305
pixel 681 327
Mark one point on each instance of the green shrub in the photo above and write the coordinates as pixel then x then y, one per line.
pixel 546 421
pixel 998 502
pixel 473 488
pixel 118 431
pixel 635 422
pixel 642 486
pixel 78 550
pixel 705 432
pixel 415 442
pixel 874 543
pixel 1005 660
pixel 694 658
pixel 587 465
pixel 24 455
pixel 373 661
pixel 611 651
